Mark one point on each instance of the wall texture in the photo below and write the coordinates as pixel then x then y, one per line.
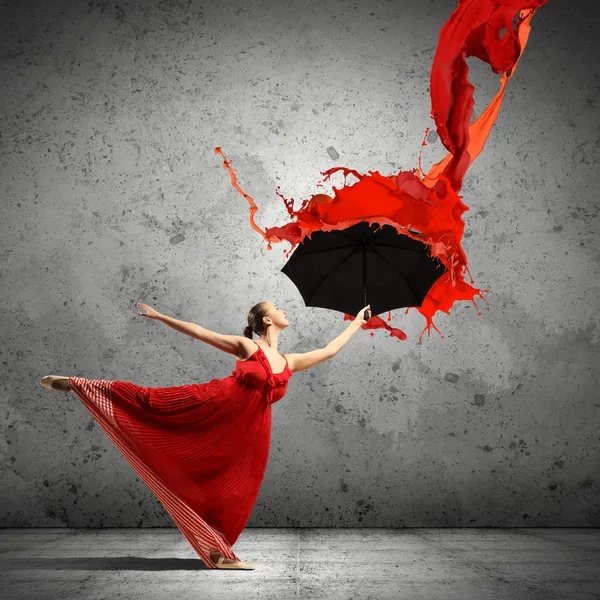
pixel 112 195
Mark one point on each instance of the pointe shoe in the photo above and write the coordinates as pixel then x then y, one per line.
pixel 221 564
pixel 50 382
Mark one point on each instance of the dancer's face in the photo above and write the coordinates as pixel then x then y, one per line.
pixel 277 315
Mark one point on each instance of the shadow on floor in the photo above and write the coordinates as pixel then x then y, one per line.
pixel 114 563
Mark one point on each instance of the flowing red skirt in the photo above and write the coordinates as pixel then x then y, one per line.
pixel 202 449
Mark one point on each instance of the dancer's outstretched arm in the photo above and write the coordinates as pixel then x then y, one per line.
pixel 232 344
pixel 301 362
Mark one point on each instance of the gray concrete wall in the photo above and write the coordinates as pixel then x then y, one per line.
pixel 112 195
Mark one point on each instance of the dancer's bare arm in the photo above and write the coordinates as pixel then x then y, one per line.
pixel 232 344
pixel 301 362
pixel 306 360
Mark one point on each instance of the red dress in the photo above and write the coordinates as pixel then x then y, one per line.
pixel 201 448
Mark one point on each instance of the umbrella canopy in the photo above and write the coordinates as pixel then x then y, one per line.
pixel 347 269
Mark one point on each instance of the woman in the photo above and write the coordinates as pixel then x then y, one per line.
pixel 203 448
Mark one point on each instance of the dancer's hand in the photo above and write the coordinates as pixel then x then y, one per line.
pixel 359 317
pixel 151 314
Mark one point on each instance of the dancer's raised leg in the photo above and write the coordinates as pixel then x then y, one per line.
pixel 56 382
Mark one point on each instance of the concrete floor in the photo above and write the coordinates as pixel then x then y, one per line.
pixel 304 563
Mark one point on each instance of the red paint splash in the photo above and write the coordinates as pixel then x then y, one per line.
pixel 426 207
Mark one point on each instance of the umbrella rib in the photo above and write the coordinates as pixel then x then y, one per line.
pixel 328 274
pixel 401 274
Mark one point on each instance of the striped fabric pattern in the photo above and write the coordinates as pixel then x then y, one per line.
pixel 201 448
pixel 95 395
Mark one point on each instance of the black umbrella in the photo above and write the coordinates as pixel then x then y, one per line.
pixel 339 270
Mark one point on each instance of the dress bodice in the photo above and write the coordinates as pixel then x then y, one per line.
pixel 255 371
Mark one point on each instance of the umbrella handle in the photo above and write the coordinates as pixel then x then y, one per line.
pixel 366 315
